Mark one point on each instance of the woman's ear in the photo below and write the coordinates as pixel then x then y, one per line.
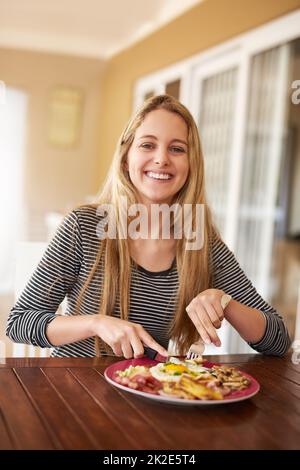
pixel 125 165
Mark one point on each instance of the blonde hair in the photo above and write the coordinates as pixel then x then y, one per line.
pixel 193 265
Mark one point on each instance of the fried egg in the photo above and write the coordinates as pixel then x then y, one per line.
pixel 168 372
pixel 190 364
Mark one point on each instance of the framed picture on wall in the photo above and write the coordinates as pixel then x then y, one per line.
pixel 65 116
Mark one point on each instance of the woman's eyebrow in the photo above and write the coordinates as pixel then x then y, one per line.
pixel 181 141
pixel 154 137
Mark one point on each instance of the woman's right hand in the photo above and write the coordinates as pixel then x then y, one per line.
pixel 125 338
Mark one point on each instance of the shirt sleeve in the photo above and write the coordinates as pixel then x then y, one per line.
pixel 54 276
pixel 229 277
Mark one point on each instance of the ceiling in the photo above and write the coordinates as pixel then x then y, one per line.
pixel 91 28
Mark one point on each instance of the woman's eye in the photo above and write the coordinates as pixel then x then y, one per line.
pixel 177 149
pixel 147 146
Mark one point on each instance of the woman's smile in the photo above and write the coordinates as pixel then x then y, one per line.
pixel 159 177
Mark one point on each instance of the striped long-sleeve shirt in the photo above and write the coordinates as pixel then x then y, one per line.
pixel 64 269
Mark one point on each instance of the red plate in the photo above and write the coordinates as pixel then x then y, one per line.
pixel 233 397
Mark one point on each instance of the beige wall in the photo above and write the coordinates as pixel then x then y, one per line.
pixel 55 179
pixel 208 24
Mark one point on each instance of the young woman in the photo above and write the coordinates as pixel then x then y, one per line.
pixel 125 293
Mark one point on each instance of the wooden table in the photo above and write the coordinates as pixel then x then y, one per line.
pixel 52 403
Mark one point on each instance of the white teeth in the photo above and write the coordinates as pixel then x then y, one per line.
pixel 159 176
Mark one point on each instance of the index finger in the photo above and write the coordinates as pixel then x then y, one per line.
pixel 137 345
pixel 149 341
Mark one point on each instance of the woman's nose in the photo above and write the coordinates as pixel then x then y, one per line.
pixel 161 157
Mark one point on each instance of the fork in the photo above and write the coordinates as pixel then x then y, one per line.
pixel 197 349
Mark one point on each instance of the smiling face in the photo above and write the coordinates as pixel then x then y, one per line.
pixel 157 160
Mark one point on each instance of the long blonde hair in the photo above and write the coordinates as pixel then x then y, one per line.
pixel 193 266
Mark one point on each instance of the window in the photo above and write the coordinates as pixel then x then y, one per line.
pixel 12 150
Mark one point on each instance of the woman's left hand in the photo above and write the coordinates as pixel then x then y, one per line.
pixel 206 312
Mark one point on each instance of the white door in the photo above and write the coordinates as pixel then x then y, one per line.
pixel 239 104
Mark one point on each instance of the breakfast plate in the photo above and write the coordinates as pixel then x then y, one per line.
pixel 166 379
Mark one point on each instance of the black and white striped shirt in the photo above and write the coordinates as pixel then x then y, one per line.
pixel 64 269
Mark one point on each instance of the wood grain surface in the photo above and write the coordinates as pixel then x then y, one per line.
pixel 53 403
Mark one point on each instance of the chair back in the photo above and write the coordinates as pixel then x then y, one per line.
pixel 28 255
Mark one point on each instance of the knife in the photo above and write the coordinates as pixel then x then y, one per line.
pixel 154 355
